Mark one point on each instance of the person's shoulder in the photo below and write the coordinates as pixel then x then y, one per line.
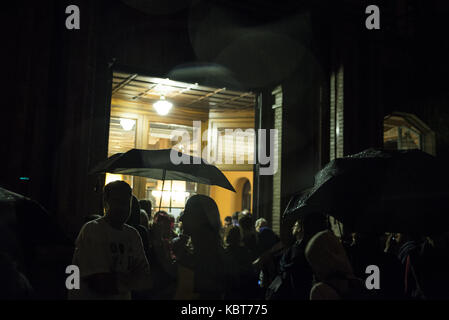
pixel 131 231
pixel 90 230
pixel 265 230
pixel 90 225
pixel 322 291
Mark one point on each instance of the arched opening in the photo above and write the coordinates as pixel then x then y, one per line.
pixel 246 196
pixel 229 202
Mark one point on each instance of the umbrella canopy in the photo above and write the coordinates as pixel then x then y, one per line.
pixel 382 191
pixel 30 217
pixel 24 224
pixel 7 196
pixel 159 164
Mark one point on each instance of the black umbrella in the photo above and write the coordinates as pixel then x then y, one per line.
pixel 379 190
pixel 164 164
pixel 25 224
pixel 7 196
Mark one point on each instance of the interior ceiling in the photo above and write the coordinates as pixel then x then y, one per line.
pixel 148 90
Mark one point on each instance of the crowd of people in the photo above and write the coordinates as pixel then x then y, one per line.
pixel 198 257
pixel 133 251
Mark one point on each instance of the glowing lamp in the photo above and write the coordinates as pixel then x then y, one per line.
pixel 162 106
pixel 127 124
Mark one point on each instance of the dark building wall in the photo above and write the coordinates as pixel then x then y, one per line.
pixel 62 81
pixel 264 188
pixel 301 127
pixel 58 89
pixel 305 104
pixel 415 68
pixel 359 55
pixel 152 44
pixel 59 84
pixel 51 111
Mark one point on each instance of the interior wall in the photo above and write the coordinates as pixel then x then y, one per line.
pixel 227 201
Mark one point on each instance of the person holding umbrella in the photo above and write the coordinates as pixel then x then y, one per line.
pixel 109 253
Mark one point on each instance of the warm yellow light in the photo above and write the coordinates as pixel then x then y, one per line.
pixel 174 191
pixel 156 193
pixel 176 195
pixel 127 124
pixel 110 177
pixel 162 106
pixel 180 196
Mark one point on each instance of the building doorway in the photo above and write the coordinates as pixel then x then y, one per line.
pixel 246 196
pixel 212 116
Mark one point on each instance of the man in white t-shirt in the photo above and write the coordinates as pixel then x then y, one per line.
pixel 109 253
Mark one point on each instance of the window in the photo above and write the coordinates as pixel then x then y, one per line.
pixel 402 138
pixel 122 135
pixel 403 131
pixel 122 138
pixel 174 194
pixel 126 133
pixel 276 208
pixel 336 113
pixel 160 137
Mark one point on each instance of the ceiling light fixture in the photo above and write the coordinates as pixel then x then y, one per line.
pixel 127 124
pixel 162 106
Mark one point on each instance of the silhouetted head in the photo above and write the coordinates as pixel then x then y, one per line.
pixel 369 241
pixel 246 222
pixel 163 223
pixel 117 198
pixel 234 237
pixel 309 225
pixel 228 221
pixel 235 218
pixel 200 215
pixel 147 206
pixel 260 223
pixel 327 256
pixel 172 220
pixel 144 220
